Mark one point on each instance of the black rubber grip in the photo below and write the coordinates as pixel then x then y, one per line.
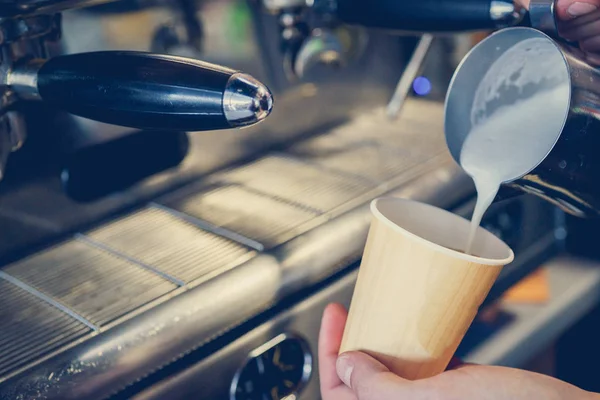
pixel 137 90
pixel 417 15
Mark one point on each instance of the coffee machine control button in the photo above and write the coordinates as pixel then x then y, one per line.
pixel 279 369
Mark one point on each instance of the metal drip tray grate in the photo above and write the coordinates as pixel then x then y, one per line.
pixel 418 132
pixel 252 215
pixel 369 162
pixel 171 245
pixel 31 328
pixel 95 284
pixel 300 183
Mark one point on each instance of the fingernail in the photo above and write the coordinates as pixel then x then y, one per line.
pixel 344 369
pixel 579 9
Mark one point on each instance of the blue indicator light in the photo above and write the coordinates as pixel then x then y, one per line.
pixel 422 86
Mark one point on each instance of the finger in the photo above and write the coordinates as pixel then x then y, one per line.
pixel 576 33
pixel 567 24
pixel 590 45
pixel 593 59
pixel 330 338
pixel 371 380
pixel 570 9
pixel 457 363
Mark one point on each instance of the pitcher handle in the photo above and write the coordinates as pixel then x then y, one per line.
pixel 542 16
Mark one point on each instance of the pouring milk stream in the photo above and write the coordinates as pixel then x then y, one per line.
pixel 504 142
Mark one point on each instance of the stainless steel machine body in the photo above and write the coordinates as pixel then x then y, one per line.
pixel 177 284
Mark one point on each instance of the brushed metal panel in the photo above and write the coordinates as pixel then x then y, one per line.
pixel 31 328
pixel 251 214
pixel 292 180
pixel 418 132
pixel 302 320
pixel 117 357
pixel 170 244
pixel 369 161
pixel 92 282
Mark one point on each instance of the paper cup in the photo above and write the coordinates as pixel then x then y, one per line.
pixel 415 296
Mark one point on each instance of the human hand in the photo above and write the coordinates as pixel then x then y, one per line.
pixel 357 376
pixel 579 21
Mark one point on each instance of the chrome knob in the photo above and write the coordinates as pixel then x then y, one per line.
pixel 322 48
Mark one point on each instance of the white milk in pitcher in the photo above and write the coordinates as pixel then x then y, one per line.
pixel 513 118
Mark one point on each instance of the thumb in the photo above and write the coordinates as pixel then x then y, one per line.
pixel 369 379
pixel 570 9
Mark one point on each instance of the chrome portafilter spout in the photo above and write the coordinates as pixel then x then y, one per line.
pixel 144 91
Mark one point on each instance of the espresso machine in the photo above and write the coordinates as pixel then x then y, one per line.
pixel 158 241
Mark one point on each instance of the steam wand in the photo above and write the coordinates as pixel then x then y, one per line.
pixel 144 90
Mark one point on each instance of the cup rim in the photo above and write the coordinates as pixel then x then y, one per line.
pixel 445 250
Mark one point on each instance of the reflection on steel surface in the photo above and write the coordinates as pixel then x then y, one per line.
pixel 97 285
pixel 419 132
pixel 302 320
pixel 170 244
pixel 303 184
pixel 23 338
pixel 107 362
pixel 254 215
pixel 372 162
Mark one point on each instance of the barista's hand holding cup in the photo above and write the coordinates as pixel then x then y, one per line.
pixel 416 295
pixel 579 21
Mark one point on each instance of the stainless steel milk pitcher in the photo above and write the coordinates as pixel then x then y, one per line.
pixel 569 173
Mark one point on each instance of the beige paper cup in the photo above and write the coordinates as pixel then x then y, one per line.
pixel 415 297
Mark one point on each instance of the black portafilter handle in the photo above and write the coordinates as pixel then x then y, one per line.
pixel 145 91
pixel 424 15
